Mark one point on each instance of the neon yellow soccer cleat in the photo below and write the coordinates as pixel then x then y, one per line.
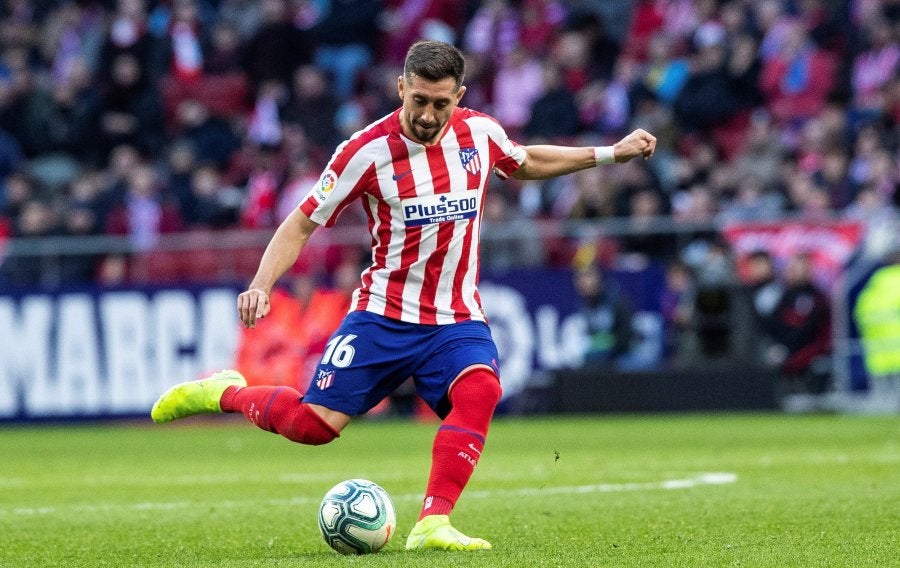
pixel 195 397
pixel 435 532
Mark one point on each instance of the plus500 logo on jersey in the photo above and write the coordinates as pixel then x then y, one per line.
pixel 441 208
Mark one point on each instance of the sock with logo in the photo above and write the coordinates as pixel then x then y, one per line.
pixel 280 410
pixel 460 440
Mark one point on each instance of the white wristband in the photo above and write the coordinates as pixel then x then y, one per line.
pixel 604 155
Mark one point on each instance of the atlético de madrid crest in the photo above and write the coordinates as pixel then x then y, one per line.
pixel 470 160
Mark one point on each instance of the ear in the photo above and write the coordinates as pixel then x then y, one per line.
pixel 400 85
pixel 460 92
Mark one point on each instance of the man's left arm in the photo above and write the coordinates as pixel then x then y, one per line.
pixel 546 161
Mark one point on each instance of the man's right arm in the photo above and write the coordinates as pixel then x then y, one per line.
pixel 281 253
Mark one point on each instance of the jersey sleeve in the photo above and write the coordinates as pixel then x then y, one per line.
pixel 340 184
pixel 507 156
pixel 511 159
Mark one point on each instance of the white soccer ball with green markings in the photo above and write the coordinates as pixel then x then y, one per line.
pixel 357 517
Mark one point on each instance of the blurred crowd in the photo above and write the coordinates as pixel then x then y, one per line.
pixel 142 117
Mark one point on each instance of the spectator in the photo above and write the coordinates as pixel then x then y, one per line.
pixel 186 42
pixel 874 68
pixel 405 21
pixel 182 160
pixel 666 71
pixel 131 110
pixel 571 52
pixel 79 221
pixel 36 219
pixel 798 76
pixel 587 194
pixel 145 213
pixel 493 31
pixel 507 236
pixel 518 83
pixel 10 154
pixel 800 328
pixel 539 24
pixel 212 137
pixel 708 96
pixel 60 117
pixel 264 128
pixel 215 205
pixel 345 42
pixel 762 152
pixel 302 176
pixel 604 49
pixel 17 95
pixel 71 40
pixel 877 313
pixel 763 291
pixel 225 50
pixel 554 115
pixel 128 34
pixel 314 106
pixel 763 285
pixel 246 16
pixel 677 308
pixel 85 193
pixel 607 316
pixel 643 239
pixel 752 202
pixel 647 17
pixel 265 179
pixel 695 205
pixel 277 47
pixel 18 189
pixel 123 160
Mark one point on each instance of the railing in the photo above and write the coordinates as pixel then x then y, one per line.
pixel 232 255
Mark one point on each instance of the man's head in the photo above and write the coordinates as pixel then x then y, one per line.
pixel 588 281
pixel 799 271
pixel 430 87
pixel 760 267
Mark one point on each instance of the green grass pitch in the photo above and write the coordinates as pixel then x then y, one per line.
pixel 711 490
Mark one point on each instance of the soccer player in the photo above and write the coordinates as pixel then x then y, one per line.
pixel 421 174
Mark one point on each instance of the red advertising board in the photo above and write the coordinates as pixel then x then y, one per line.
pixel 830 244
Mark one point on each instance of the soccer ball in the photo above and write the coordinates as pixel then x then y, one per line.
pixel 357 517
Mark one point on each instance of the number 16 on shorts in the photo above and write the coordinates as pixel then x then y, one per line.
pixel 339 352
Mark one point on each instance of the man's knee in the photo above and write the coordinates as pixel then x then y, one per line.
pixel 309 428
pixel 481 383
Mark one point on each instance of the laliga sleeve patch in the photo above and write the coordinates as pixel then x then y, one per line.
pixel 326 184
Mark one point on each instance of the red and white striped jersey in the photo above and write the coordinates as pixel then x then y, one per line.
pixel 424 205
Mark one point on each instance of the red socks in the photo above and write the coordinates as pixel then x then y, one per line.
pixel 279 410
pixel 460 439
pixel 457 445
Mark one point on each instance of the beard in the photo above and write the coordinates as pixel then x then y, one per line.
pixel 426 134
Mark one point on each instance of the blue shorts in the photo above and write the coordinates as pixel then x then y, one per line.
pixel 369 356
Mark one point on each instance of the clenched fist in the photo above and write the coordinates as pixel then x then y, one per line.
pixel 638 143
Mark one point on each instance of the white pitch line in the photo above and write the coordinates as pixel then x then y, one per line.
pixel 703 479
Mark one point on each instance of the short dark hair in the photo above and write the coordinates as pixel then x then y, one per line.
pixel 434 61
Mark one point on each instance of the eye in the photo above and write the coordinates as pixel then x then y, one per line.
pixel 441 105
